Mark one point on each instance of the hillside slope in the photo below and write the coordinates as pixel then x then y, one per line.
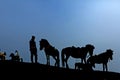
pixel 40 71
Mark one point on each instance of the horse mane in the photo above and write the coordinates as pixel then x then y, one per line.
pixel 46 41
pixel 106 53
pixel 109 51
pixel 89 45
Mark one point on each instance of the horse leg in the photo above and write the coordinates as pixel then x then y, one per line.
pixel 66 61
pixel 83 59
pixel 48 59
pixel 103 67
pixel 55 60
pixel 106 67
pixel 63 58
pixel 58 61
pixel 76 65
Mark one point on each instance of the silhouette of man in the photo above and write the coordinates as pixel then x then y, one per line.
pixel 33 49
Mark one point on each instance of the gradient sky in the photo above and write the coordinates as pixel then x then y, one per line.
pixel 63 23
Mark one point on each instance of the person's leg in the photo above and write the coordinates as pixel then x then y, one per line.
pixel 31 57
pixel 36 58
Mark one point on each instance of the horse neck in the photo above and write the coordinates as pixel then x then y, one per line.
pixel 84 50
pixel 48 47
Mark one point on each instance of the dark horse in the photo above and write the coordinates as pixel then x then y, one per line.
pixel 102 58
pixel 15 57
pixel 76 52
pixel 49 51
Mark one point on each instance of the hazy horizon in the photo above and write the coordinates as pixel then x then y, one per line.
pixel 63 23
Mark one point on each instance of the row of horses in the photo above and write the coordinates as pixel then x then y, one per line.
pixel 76 52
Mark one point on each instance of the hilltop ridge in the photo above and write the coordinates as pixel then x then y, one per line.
pixel 37 70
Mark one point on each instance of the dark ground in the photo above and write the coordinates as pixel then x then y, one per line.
pixel 23 70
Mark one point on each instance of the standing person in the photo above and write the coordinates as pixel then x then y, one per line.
pixel 33 49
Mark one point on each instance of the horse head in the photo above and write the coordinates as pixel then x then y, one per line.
pixel 90 48
pixel 91 60
pixel 110 53
pixel 43 43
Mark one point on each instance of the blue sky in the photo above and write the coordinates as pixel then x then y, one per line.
pixel 63 23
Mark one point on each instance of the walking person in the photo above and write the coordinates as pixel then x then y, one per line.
pixel 33 50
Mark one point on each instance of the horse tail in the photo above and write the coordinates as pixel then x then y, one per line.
pixel 62 56
pixel 90 49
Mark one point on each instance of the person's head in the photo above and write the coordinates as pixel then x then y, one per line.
pixel 33 37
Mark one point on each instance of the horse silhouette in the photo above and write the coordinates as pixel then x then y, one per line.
pixel 2 55
pixel 102 58
pixel 49 51
pixel 76 52
pixel 15 57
